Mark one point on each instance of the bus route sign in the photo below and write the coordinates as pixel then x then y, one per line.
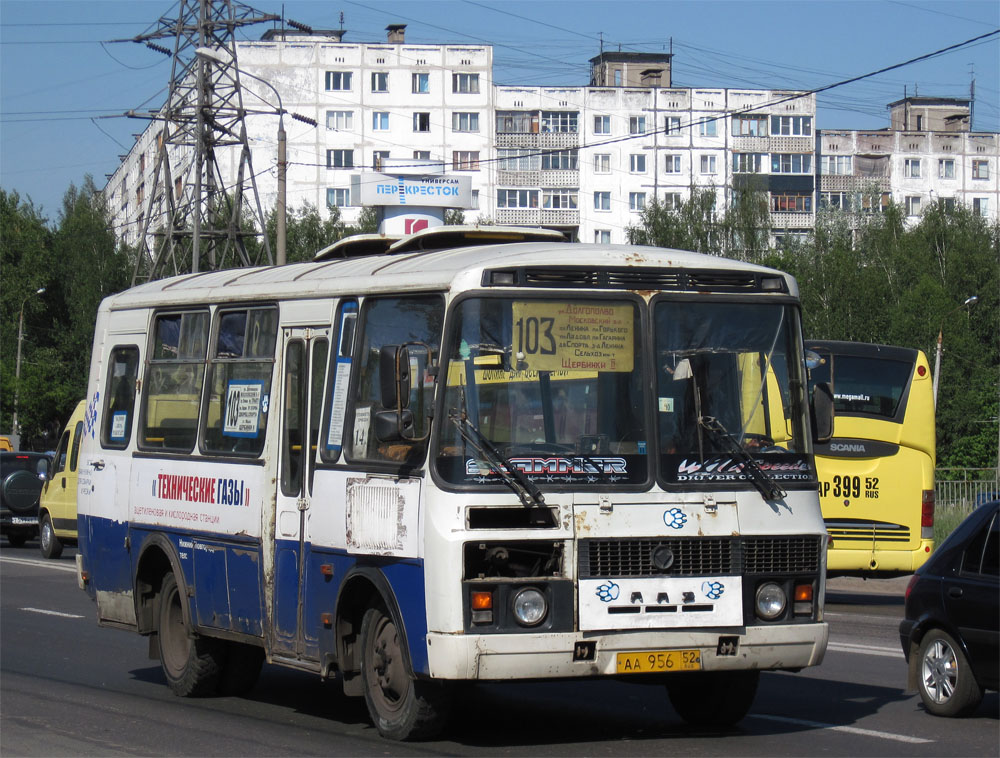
pixel 568 336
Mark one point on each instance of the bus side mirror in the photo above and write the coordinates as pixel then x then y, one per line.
pixel 394 376
pixel 822 412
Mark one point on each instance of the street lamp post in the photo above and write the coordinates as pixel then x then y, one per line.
pixel 280 254
pixel 971 300
pixel 16 427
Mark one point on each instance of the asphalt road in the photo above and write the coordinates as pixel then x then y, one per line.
pixel 68 687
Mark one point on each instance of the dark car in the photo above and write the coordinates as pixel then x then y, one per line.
pixel 21 478
pixel 951 630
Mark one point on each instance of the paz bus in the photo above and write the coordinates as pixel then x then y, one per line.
pixel 501 460
pixel 877 471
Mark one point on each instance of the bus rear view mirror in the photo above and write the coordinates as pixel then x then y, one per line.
pixel 394 376
pixel 394 426
pixel 822 412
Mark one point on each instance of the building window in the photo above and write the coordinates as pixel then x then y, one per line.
pixel 559 121
pixel 602 236
pixel 560 160
pixel 912 205
pixel 464 122
pixel 340 159
pixel 421 122
pixel 421 83
pixel 672 201
pixel 557 199
pixel 980 169
pixel 380 121
pixel 673 125
pixel 602 124
pixel 794 126
pixel 636 124
pixel 747 163
pixel 602 201
pixel 707 128
pixel 465 160
pixel 517 198
pixel 911 168
pixel 637 201
pixel 792 202
pixel 946 168
pixel 380 81
pixel 602 163
pixel 475 199
pixel 839 165
pixel 466 84
pixel 338 198
pixel 948 204
pixel 517 122
pixel 338 80
pixel 377 157
pixel 749 126
pixel 618 77
pixel 791 163
pixel 840 201
pixel 519 159
pixel 421 155
pixel 637 163
pixel 178 188
pixel 342 121
pixel 981 206
pixel 708 164
pixel 673 164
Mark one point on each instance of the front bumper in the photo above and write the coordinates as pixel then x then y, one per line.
pixel 550 656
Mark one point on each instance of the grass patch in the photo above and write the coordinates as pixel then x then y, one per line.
pixel 946 518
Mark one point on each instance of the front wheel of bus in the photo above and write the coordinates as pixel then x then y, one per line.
pixel 713 698
pixel 192 664
pixel 401 707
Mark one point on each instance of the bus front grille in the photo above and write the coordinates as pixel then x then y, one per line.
pixel 706 556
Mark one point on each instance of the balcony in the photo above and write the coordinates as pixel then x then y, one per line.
pixel 546 141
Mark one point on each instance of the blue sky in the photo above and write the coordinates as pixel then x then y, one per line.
pixel 59 75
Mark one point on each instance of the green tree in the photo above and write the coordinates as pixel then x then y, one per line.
pixel 306 232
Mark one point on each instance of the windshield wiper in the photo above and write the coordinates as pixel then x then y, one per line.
pixel 764 483
pixel 530 496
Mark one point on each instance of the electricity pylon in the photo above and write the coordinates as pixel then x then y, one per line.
pixel 193 221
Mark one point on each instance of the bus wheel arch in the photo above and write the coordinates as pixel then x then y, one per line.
pixel 157 559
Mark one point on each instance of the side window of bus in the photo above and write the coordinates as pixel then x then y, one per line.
pixel 239 381
pixel 119 397
pixel 174 380
pixel 77 437
pixel 340 380
pixel 394 321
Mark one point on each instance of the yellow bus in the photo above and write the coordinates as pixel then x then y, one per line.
pixel 876 474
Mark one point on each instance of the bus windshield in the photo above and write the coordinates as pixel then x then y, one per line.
pixel 729 378
pixel 554 386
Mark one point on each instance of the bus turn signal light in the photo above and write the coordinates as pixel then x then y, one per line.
pixel 803 604
pixel 482 607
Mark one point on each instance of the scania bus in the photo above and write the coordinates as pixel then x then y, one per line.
pixel 498 461
pixel 877 471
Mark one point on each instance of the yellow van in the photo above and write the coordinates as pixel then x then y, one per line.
pixel 57 507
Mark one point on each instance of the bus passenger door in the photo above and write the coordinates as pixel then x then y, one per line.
pixel 305 359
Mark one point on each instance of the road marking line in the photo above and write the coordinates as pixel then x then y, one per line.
pixel 43 564
pixel 847 647
pixel 848 729
pixel 54 613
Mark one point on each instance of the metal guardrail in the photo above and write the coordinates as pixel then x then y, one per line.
pixel 965 487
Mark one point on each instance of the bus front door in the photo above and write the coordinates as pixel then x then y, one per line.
pixel 305 353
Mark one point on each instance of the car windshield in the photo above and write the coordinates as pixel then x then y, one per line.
pixel 730 392
pixel 550 387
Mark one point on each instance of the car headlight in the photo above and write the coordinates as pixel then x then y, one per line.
pixel 529 607
pixel 770 601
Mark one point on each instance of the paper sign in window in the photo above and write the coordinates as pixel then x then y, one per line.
pixel 583 336
pixel 243 399
pixel 119 422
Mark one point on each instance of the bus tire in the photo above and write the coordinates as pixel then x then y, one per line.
pixel 48 543
pixel 713 698
pixel 401 707
pixel 241 669
pixel 944 677
pixel 191 664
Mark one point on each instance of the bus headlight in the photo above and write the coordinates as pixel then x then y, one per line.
pixel 529 607
pixel 770 601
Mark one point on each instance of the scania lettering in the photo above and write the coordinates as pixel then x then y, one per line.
pixel 394 471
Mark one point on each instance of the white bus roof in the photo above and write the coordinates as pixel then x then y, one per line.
pixel 557 264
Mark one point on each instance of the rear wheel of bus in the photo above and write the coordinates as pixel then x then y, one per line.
pixel 713 698
pixel 192 664
pixel 401 707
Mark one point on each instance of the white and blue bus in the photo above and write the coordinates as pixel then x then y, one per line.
pixel 493 462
